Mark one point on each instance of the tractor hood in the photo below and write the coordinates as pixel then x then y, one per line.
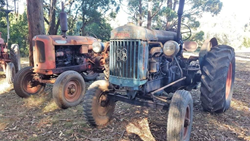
pixel 69 40
pixel 131 31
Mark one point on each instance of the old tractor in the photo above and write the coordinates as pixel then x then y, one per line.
pixel 9 60
pixel 143 63
pixel 64 61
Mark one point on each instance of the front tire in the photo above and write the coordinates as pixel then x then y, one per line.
pixel 24 84
pixel 217 81
pixel 69 89
pixel 97 106
pixel 180 116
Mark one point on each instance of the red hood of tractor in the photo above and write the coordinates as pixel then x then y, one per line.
pixel 69 40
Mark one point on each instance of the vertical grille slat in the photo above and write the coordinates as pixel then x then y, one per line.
pixel 137 57
pixel 127 64
pixel 128 67
pixel 131 59
pixel 134 51
pixel 123 62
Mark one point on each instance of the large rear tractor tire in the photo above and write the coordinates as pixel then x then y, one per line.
pixel 69 89
pixel 25 85
pixel 217 80
pixel 180 116
pixel 10 73
pixel 97 106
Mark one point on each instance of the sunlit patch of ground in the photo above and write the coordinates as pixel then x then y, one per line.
pixel 5 86
pixel 50 107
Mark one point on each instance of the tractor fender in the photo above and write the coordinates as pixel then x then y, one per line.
pixel 206 47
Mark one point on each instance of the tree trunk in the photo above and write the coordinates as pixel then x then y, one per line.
pixel 150 7
pixel 170 6
pixel 52 18
pixel 175 3
pixel 140 11
pixel 35 22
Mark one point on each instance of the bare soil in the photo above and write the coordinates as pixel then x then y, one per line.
pixel 38 118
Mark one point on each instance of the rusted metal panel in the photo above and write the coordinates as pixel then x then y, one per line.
pixel 49 53
pixel 130 31
pixel 84 49
pixel 78 68
pixel 190 46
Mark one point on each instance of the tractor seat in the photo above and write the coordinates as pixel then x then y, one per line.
pixel 190 46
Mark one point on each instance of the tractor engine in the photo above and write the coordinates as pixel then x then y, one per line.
pixel 69 56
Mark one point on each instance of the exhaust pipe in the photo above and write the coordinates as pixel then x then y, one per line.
pixel 180 12
pixel 63 22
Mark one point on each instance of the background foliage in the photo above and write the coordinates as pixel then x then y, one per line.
pixel 91 17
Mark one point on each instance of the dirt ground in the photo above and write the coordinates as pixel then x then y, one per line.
pixel 38 118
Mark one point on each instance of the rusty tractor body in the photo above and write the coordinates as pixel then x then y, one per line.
pixel 9 60
pixel 64 61
pixel 54 55
pixel 153 68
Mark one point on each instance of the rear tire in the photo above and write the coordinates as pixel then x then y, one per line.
pixel 10 73
pixel 217 80
pixel 180 116
pixel 97 107
pixel 24 84
pixel 69 89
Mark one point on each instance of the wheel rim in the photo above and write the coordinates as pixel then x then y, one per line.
pixel 229 80
pixel 72 91
pixel 31 86
pixel 186 122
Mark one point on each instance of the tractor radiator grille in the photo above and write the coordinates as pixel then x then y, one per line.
pixel 124 58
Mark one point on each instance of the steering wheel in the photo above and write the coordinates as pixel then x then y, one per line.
pixel 186 32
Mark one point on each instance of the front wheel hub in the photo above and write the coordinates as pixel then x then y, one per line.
pixel 72 92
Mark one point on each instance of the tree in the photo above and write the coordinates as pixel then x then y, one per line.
pixel 162 15
pixel 92 11
pixel 137 10
pixel 99 30
pixel 52 9
pixel 52 18
pixel 144 9
pixel 2 3
pixel 35 22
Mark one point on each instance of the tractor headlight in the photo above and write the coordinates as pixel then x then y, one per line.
pixel 171 48
pixel 97 47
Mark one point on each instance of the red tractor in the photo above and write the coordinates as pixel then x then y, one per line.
pixel 64 61
pixel 9 60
